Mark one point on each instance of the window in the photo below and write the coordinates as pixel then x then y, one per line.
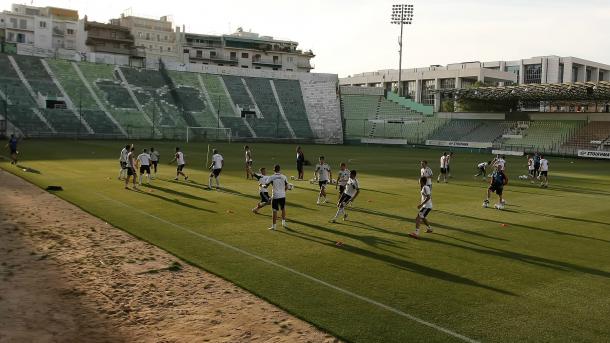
pixel 601 76
pixel 185 51
pixel 166 37
pixel 147 36
pixel 561 66
pixel 23 24
pixel 276 59
pixel 233 55
pixel 427 95
pixel 11 36
pixel 244 66
pixel 257 67
pixel 409 90
pixel 169 49
pixel 158 38
pixel 447 83
pixel 140 35
pixel 71 32
pixel 13 23
pixel 42 24
pixel 290 58
pixel 244 55
pixel 288 69
pixel 212 54
pixel 20 38
pixel 256 58
pixel 275 69
pixel 199 54
pixel 532 73
pixel 514 70
pixel 160 49
pixel 589 74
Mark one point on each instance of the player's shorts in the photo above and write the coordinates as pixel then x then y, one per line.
pixel 322 184
pixel 536 168
pixel 544 173
pixel 264 197
pixel 144 169
pixel 341 189
pixel 423 212
pixel 443 170
pixel 130 171
pixel 123 165
pixel 496 189
pixel 154 163
pixel 344 199
pixel 216 172
pixel 180 167
pixel 278 204
pixel 531 172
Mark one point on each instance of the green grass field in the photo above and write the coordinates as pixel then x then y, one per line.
pixel 542 277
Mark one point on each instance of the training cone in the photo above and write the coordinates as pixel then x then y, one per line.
pixel 339 244
pixel 503 225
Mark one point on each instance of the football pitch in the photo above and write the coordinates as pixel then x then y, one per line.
pixel 539 270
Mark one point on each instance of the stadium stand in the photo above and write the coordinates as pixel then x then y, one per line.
pixel 194 99
pixel 37 76
pixel 586 137
pixel 488 131
pixel 357 110
pixel 272 124
pixel 63 121
pixel 238 92
pixel 545 135
pixel 291 97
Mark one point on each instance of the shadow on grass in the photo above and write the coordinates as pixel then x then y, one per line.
pixel 178 193
pixel 28 169
pixel 557 216
pixel 535 260
pixel 398 263
pixel 510 188
pixel 175 201
pixel 523 226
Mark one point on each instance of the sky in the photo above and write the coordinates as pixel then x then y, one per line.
pixel 354 36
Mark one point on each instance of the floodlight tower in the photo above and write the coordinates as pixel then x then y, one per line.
pixel 401 14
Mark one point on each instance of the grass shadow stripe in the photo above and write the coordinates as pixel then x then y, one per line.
pixel 296 272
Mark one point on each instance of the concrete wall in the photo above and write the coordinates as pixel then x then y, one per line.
pixel 452 115
pixel 323 109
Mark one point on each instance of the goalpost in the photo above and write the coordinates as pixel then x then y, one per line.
pixel 205 133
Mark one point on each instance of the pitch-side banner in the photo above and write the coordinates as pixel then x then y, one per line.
pixel 479 145
pixel 594 154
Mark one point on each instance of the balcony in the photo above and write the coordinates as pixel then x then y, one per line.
pixel 93 35
pixel 267 62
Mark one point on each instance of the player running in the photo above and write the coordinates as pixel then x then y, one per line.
pixel 544 172
pixel 351 191
pixel 482 168
pixel 496 185
pixel 123 161
pixel 131 168
pixel 424 208
pixel 426 172
pixel 249 161
pixel 342 179
pixel 144 161
pixel 179 159
pixel 444 160
pixel 280 186
pixel 154 160
pixel 12 146
pixel 216 167
pixel 262 190
pixel 323 175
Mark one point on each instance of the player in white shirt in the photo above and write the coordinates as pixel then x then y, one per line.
pixel 531 170
pixel 131 168
pixel 154 160
pixel 323 175
pixel 424 208
pixel 500 162
pixel 482 168
pixel 279 185
pixel 351 191
pixel 144 162
pixel 444 160
pixel 123 161
pixel 544 172
pixel 262 190
pixel 342 179
pixel 249 161
pixel 216 167
pixel 179 159
pixel 426 172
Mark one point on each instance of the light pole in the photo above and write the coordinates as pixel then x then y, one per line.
pixel 401 14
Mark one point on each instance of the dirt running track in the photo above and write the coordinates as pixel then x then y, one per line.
pixel 66 276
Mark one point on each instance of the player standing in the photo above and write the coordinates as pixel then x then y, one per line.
pixel 280 186
pixel 500 162
pixel 154 160
pixel 443 168
pixel 426 172
pixel 496 185
pixel 123 161
pixel 449 159
pixel 530 168
pixel 262 190
pixel 424 208
pixel 324 175
pixel 351 191
pixel 216 167
pixel 179 159
pixel 537 165
pixel 144 161
pixel 248 153
pixel 342 179
pixel 300 162
pixel 544 172
pixel 12 146
pixel 131 168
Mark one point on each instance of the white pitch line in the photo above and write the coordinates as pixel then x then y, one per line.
pixel 309 277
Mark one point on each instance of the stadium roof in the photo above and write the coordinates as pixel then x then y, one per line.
pixel 537 92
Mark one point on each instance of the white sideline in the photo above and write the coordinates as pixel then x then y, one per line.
pixel 311 278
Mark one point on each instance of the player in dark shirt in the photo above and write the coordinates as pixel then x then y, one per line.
pixel 496 185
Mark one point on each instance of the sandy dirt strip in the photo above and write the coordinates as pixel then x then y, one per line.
pixel 66 276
